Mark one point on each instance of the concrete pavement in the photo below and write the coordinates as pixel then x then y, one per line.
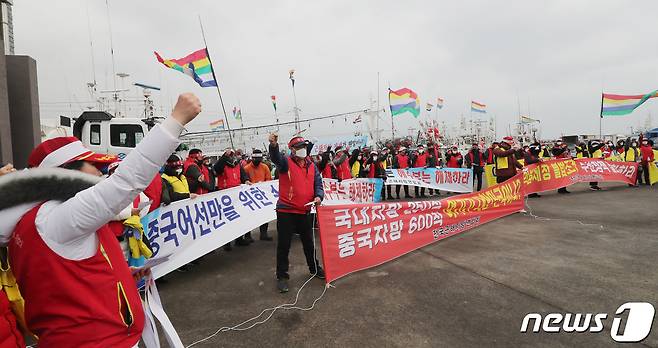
pixel 470 290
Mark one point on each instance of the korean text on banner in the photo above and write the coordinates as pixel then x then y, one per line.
pixel 359 236
pixel 445 179
pixel 188 229
pixel 553 174
pixel 362 190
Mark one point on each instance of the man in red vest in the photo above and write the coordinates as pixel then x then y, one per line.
pixel 78 289
pixel 401 161
pixel 419 160
pixel 231 174
pixel 196 173
pixel 300 186
pixel 475 160
pixel 454 159
pixel 647 158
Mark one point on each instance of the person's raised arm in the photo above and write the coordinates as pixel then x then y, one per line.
pixel 276 157
pixel 92 208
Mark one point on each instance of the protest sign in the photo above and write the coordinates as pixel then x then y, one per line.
pixel 445 179
pixel 362 190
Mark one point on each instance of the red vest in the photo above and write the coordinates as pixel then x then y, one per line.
pixel 371 172
pixel 403 161
pixel 230 178
pixel 297 187
pixel 421 160
pixel 204 171
pixel 326 173
pixel 472 157
pixel 154 192
pixel 76 303
pixel 344 171
pixel 10 335
pixel 453 162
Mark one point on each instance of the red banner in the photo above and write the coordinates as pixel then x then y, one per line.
pixel 553 174
pixel 359 236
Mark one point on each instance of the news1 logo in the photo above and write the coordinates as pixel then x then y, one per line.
pixel 637 327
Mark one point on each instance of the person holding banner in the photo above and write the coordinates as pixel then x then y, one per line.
pixel 531 157
pixel 174 183
pixel 505 162
pixel 488 153
pixel 78 289
pixel 419 160
pixel 647 158
pixel 454 159
pixel 231 174
pixel 632 154
pixel 401 161
pixel 594 149
pixel 259 172
pixel 196 173
pixel 475 160
pixel 561 151
pixel 300 186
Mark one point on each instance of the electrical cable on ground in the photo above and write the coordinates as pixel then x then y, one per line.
pixel 272 310
pixel 528 212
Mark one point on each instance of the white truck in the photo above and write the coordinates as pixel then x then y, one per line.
pixel 100 132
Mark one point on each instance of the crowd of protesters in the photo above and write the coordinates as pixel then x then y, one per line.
pixel 89 230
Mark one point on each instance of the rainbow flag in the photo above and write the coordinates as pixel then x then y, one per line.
pixel 404 100
pixel 619 105
pixel 477 107
pixel 196 65
pixel 217 125
pixel 439 103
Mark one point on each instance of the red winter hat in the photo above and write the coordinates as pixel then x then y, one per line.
pixel 61 150
pixel 296 141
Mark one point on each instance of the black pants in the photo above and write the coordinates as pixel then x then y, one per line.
pixel 422 191
pixel 263 229
pixel 388 190
pixel 406 190
pixel 477 175
pixel 288 224
pixel 645 171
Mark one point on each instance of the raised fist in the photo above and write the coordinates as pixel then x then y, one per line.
pixel 187 108
pixel 274 139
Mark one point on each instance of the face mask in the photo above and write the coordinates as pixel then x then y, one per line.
pixel 374 158
pixel 257 161
pixel 633 145
pixel 300 153
pixel 358 158
pixel 179 171
pixel 421 151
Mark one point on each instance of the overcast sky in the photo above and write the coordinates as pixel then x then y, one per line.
pixel 554 57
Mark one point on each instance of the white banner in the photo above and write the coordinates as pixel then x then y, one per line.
pixel 445 179
pixel 188 229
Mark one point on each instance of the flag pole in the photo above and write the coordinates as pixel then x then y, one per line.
pixel 219 92
pixel 377 139
pixel 389 107
pixel 601 119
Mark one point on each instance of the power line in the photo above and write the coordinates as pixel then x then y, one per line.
pixel 276 124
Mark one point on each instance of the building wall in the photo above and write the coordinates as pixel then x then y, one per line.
pixel 23 107
pixel 5 120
